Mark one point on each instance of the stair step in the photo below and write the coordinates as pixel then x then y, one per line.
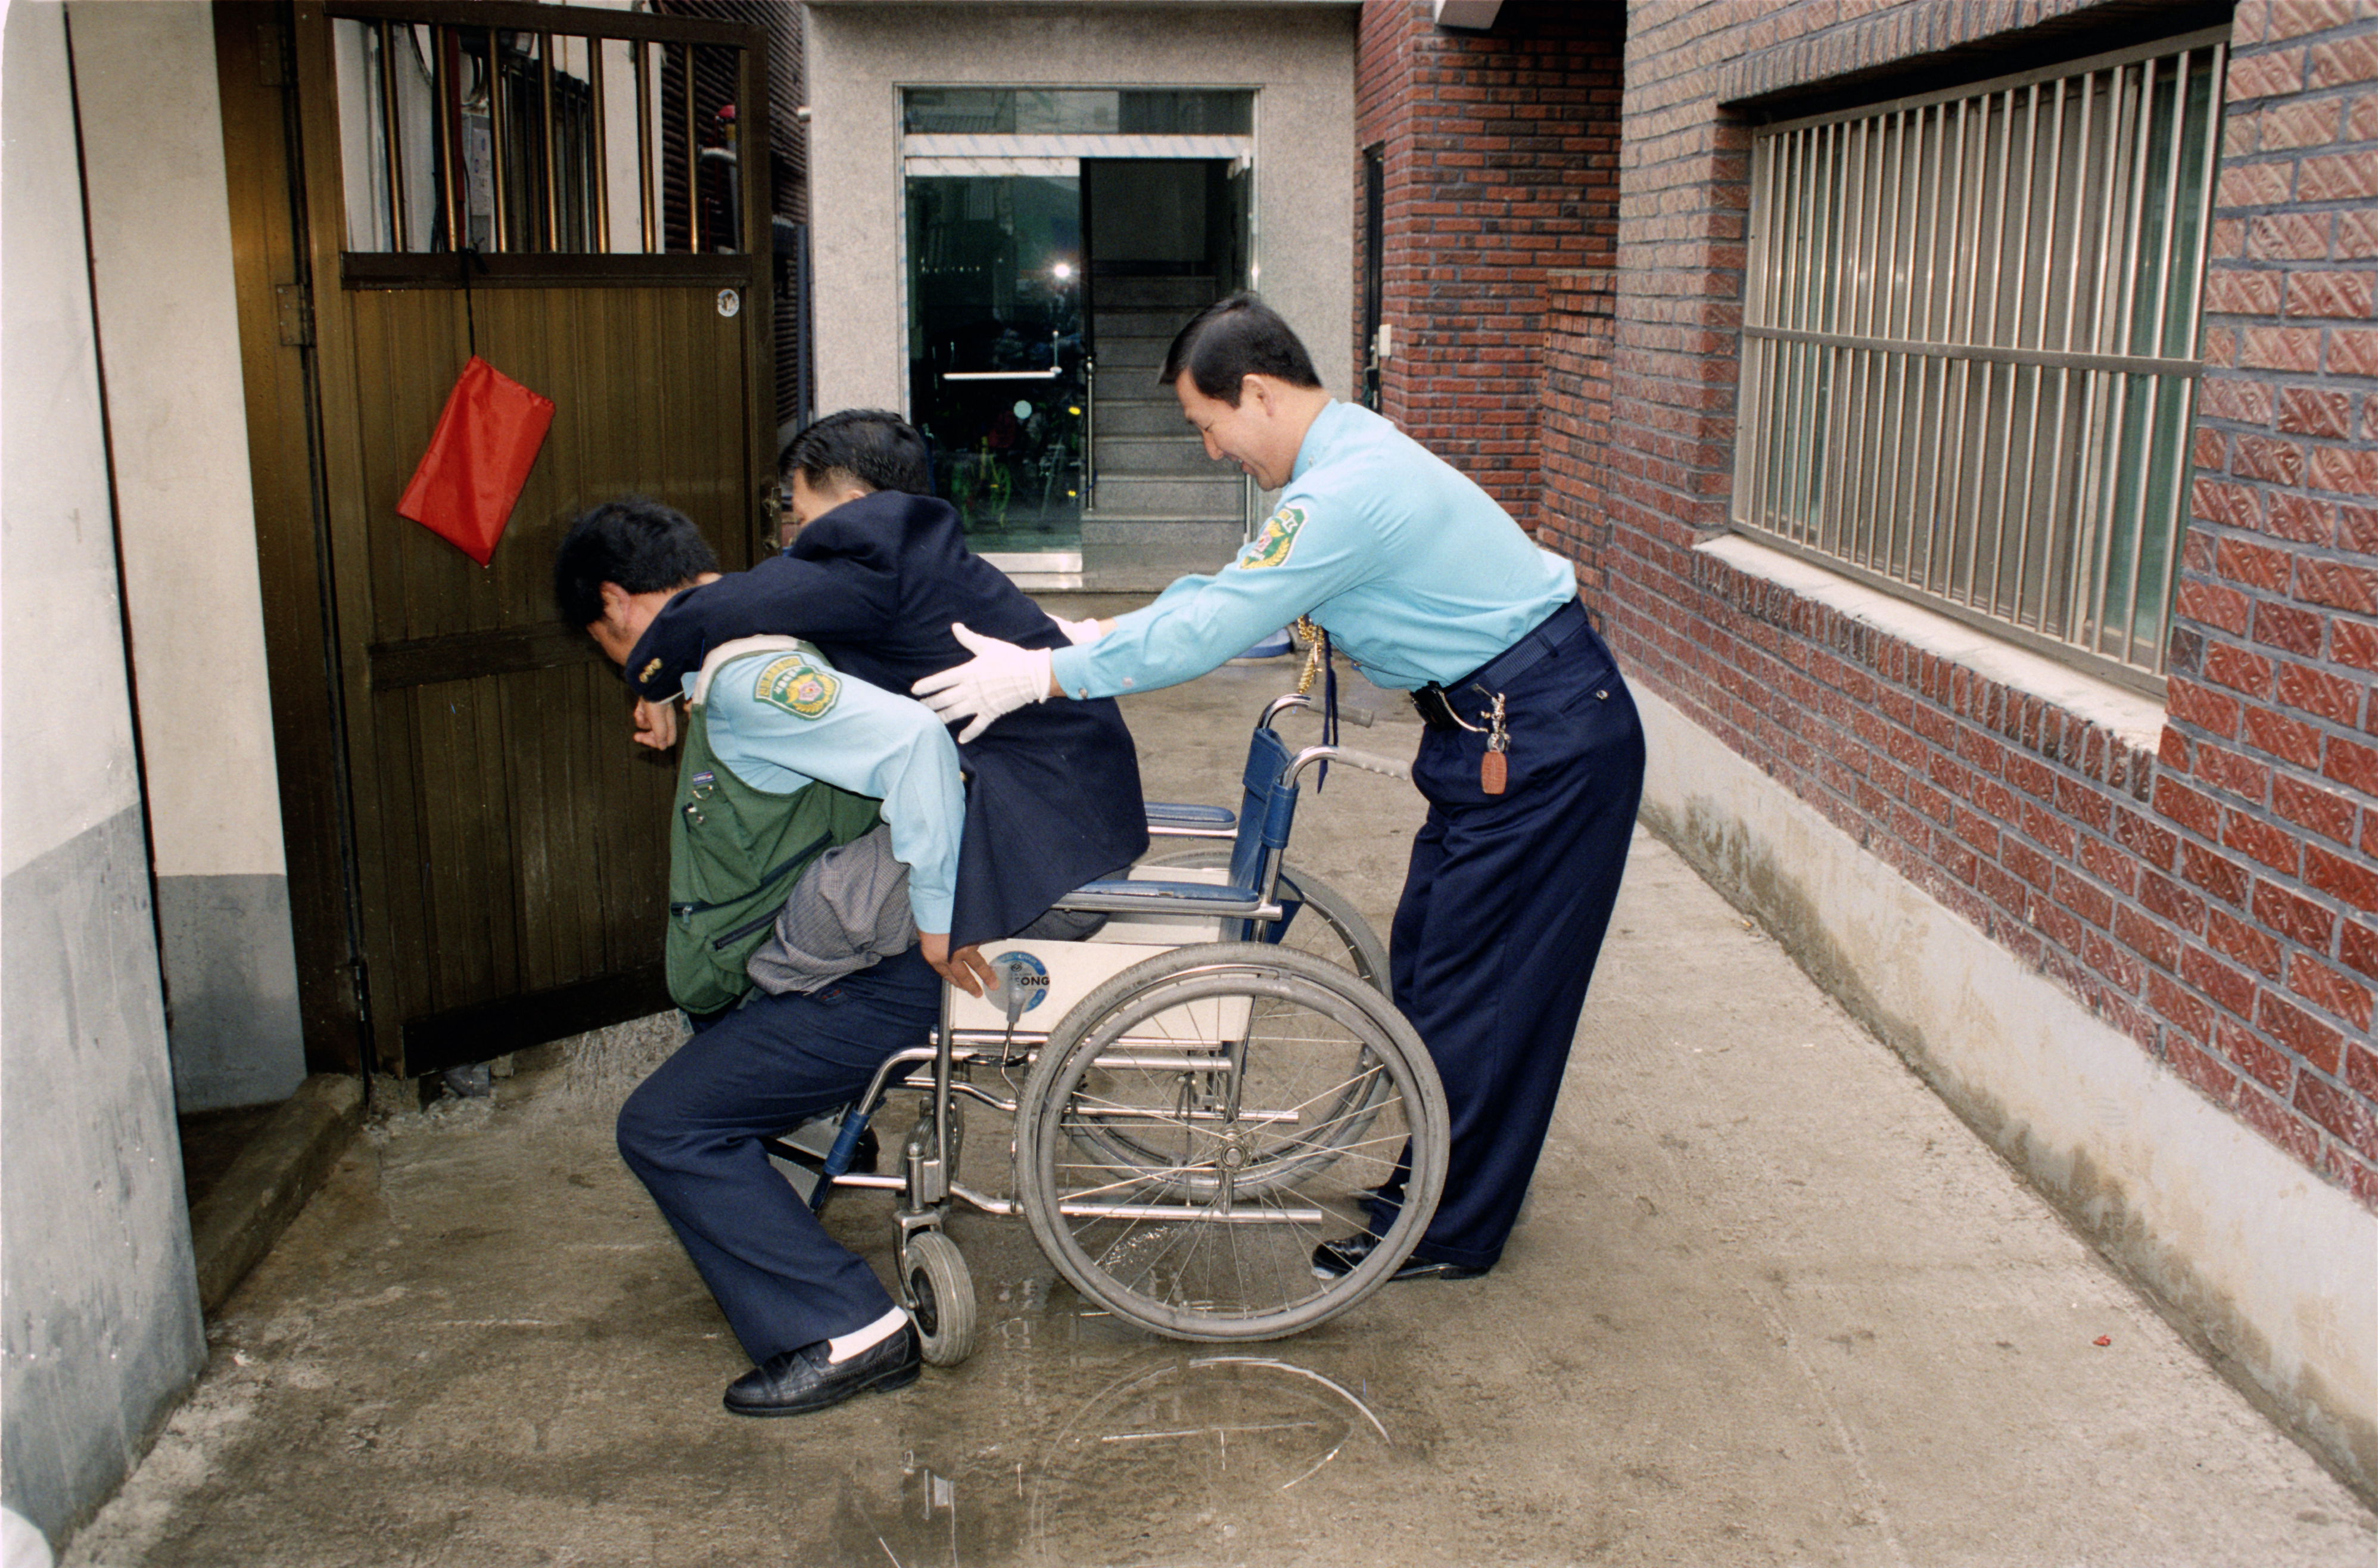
pixel 1125 383
pixel 1165 539
pixel 1187 293
pixel 1122 456
pixel 1218 496
pixel 1141 417
pixel 1119 322
pixel 1129 353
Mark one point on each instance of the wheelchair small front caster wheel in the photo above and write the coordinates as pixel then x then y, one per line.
pixel 941 1295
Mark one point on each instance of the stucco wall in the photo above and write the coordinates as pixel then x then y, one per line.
pixel 1299 58
pixel 97 1287
pixel 160 240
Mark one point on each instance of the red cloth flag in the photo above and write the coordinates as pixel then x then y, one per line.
pixel 485 442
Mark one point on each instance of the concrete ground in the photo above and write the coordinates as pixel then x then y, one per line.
pixel 1772 1304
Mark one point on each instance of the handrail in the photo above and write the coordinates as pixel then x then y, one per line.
pixel 1089 432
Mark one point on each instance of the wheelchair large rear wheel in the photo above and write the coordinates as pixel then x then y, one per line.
pixel 1323 923
pixel 1183 1141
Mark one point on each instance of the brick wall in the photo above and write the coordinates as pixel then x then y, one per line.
pixel 2217 900
pixel 1501 156
pixel 2270 764
pixel 1574 516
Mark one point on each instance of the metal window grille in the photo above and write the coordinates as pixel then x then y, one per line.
pixel 1968 362
pixel 520 141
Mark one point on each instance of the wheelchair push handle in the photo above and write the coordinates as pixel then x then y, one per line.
pixel 1369 761
pixel 1348 712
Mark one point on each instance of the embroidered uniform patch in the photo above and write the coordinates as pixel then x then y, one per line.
pixel 1272 545
pixel 798 687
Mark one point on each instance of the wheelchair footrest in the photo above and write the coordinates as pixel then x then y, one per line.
pixel 1127 894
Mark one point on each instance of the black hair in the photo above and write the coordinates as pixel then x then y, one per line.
pixel 880 449
pixel 635 542
pixel 1234 338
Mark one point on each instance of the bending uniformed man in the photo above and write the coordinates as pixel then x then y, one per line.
pixel 1426 584
pixel 785 757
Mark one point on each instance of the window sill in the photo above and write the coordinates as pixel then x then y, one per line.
pixel 2136 720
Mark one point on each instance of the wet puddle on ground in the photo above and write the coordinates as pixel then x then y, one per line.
pixel 1178 1453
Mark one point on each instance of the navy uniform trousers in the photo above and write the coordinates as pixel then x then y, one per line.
pixel 692 1133
pixel 1504 911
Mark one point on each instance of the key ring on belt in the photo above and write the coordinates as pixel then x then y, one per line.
pixel 1494 722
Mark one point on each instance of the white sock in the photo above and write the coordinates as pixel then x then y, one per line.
pixel 842 1346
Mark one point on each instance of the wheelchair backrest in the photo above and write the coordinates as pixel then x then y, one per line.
pixel 1265 813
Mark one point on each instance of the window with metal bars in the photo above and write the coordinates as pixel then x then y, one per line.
pixel 516 141
pixel 1969 346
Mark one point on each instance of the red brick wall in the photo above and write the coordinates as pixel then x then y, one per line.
pixel 2216 901
pixel 1501 164
pixel 2270 765
pixel 1574 516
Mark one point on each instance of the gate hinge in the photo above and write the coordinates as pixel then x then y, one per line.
pixel 272 56
pixel 293 306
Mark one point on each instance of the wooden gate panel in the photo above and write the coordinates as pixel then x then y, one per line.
pixel 524 835
pixel 510 841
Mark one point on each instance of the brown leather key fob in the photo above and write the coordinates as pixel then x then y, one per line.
pixel 1495 767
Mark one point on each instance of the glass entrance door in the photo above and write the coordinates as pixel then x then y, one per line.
pixel 995 354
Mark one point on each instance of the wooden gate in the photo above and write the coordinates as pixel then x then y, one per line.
pixel 499 845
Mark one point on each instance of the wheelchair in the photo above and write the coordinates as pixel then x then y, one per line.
pixel 1210 1084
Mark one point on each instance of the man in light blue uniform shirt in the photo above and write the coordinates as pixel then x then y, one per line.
pixel 818 1325
pixel 1532 762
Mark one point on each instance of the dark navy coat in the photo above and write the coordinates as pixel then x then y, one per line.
pixel 1052 791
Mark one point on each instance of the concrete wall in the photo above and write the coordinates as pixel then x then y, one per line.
pixel 160 238
pixel 97 1289
pixel 1299 57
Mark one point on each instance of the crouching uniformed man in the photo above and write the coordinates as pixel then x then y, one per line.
pixel 815 842
pixel 1532 762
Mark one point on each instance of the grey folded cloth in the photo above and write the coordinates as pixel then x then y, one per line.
pixel 849 909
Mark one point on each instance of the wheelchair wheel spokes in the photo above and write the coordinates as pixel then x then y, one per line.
pixel 1186 1141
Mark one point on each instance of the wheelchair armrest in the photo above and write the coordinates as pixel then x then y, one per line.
pixel 1167 813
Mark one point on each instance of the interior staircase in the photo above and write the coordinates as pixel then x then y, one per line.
pixel 1161 506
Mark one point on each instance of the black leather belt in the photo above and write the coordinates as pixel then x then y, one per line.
pixel 1547 637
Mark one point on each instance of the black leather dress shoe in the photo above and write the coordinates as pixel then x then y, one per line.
pixel 795 1382
pixel 1333 1260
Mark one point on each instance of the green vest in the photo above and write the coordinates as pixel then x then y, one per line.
pixel 735 853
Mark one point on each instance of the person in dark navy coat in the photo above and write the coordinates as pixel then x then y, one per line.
pixel 875 577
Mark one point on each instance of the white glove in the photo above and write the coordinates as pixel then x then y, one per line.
pixel 999 679
pixel 1079 632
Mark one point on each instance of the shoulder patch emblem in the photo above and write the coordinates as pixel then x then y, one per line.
pixel 1273 542
pixel 798 687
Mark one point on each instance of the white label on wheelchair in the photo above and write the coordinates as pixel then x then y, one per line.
pixel 1049 978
